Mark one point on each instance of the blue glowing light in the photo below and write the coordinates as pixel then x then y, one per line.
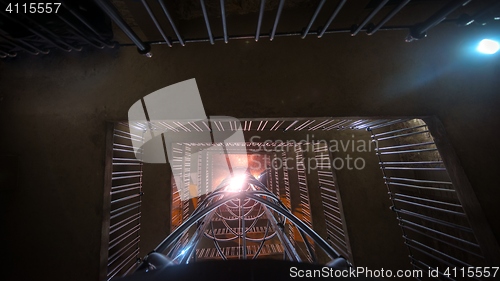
pixel 488 46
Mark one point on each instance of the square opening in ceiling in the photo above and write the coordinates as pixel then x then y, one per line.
pixel 327 171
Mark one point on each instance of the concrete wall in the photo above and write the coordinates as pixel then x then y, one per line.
pixel 53 111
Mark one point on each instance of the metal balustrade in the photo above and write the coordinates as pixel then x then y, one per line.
pixel 435 226
pixel 435 207
pixel 75 27
pixel 335 223
pixel 233 208
pixel 122 200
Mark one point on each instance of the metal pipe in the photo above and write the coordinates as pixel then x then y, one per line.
pixel 261 16
pixel 278 15
pixel 402 135
pixel 336 237
pixel 303 125
pixel 224 26
pixel 331 208
pixel 419 31
pixel 386 124
pixel 404 221
pixel 355 123
pixel 407 151
pixel 83 20
pixel 127 138
pixel 11 41
pixel 124 150
pixel 288 248
pixel 133 205
pixel 336 125
pixel 430 249
pixel 429 207
pixel 366 125
pixel 427 200
pixel 243 230
pixel 440 240
pixel 35 32
pixel 481 17
pixel 434 220
pixel 208 206
pixel 45 52
pixel 125 248
pixel 429 255
pixel 129 134
pixel 414 169
pixel 82 37
pixel 299 224
pixel 125 177
pixel 55 36
pixel 427 267
pixel 337 220
pixel 3 54
pixel 263 241
pixel 291 125
pixel 125 190
pixel 369 17
pixel 322 124
pixel 125 185
pixel 195 216
pixel 191 245
pixel 339 242
pixel 219 250
pixel 117 240
pixel 405 145
pixel 120 266
pixel 389 16
pixel 277 206
pixel 155 21
pixel 308 247
pixel 315 15
pixel 397 131
pixel 121 224
pixel 332 17
pixel 412 163
pixel 252 36
pixel 127 146
pixel 132 266
pixel 207 22
pixel 126 198
pixel 267 237
pixel 111 11
pixel 420 187
pixel 420 181
pixel 126 172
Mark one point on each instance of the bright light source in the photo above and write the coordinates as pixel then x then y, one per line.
pixel 183 252
pixel 236 183
pixel 488 46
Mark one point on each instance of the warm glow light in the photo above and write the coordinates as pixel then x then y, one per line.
pixel 488 46
pixel 236 183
